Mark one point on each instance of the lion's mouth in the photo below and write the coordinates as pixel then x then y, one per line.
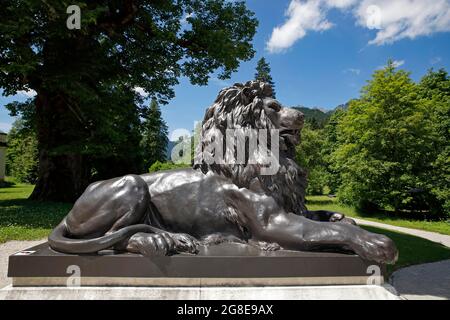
pixel 291 138
pixel 289 132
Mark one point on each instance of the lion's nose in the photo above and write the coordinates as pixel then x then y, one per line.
pixel 299 115
pixel 291 118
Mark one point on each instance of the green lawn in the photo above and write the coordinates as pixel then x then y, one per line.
pixel 326 203
pixel 413 250
pixel 22 219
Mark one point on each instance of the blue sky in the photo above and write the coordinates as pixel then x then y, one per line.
pixel 323 51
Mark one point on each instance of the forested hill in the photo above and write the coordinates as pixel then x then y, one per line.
pixel 318 117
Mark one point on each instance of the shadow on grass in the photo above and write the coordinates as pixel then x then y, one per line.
pixel 380 214
pixel 413 250
pixel 6 184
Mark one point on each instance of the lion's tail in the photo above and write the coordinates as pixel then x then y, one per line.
pixel 60 241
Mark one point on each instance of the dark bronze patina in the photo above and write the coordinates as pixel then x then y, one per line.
pixel 174 211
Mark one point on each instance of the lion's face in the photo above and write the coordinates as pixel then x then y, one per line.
pixel 288 121
pixel 251 106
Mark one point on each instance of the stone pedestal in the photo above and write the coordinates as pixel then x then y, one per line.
pixel 221 265
pixel 226 271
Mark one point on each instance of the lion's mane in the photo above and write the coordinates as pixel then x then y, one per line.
pixel 241 107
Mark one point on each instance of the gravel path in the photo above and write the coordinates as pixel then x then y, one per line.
pixel 432 236
pixel 429 281
pixel 7 249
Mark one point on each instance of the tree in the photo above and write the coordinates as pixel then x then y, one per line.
pixel 309 156
pixel 330 145
pixel 154 136
pixel 263 73
pixel 435 87
pixel 162 166
pixel 385 143
pixel 22 153
pixel 121 45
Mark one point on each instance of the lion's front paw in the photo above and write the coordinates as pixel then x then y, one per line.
pixel 185 243
pixel 339 217
pixel 336 217
pixel 152 244
pixel 162 244
pixel 376 247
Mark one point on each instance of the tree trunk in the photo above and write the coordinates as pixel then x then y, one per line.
pixel 63 171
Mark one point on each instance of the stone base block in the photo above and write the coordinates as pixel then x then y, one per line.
pixel 222 265
pixel 351 292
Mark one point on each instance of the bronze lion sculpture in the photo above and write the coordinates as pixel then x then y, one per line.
pixel 174 211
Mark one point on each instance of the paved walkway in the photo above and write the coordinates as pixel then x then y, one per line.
pixel 432 236
pixel 429 281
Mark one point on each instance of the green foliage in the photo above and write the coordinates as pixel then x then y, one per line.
pixel 263 73
pixel 309 156
pixel 435 87
pixel 87 108
pixel 315 117
pixel 113 133
pixel 314 153
pixel 154 136
pixel 22 153
pixel 162 166
pixel 142 44
pixel 386 145
pixel 330 145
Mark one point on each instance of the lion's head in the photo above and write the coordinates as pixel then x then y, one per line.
pixel 252 106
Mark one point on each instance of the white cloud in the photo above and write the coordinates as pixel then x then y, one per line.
pixel 302 17
pixel 341 4
pixel 28 93
pixel 402 19
pixel 353 70
pixel 398 63
pixel 395 64
pixel 393 19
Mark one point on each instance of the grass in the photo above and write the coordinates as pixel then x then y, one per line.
pixel 22 219
pixel 413 250
pixel 326 203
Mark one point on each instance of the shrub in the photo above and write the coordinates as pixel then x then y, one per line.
pixel 163 166
pixel 22 154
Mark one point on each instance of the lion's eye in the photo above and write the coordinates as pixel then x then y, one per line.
pixel 275 106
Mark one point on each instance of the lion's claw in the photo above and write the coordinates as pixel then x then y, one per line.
pixel 339 217
pixel 376 247
pixel 336 217
pixel 185 243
